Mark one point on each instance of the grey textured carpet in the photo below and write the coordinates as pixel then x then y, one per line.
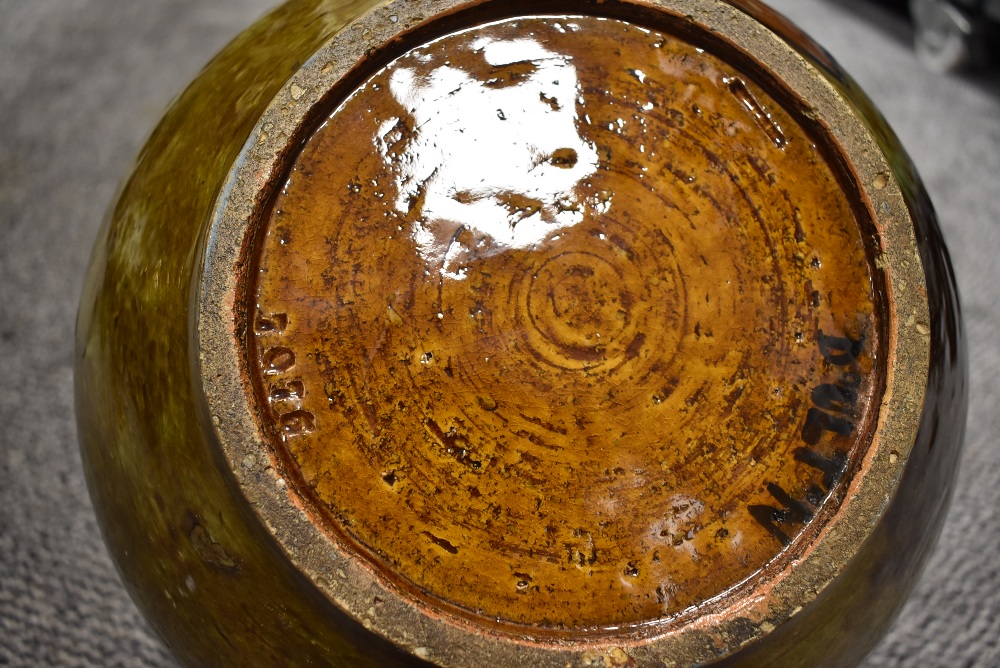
pixel 82 83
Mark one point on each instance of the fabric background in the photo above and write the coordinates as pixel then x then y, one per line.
pixel 82 83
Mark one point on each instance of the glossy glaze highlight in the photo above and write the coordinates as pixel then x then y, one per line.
pixel 583 268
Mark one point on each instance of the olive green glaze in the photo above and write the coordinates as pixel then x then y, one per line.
pixel 196 556
pixel 199 567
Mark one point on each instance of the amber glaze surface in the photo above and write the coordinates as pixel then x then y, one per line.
pixel 564 322
pixel 192 508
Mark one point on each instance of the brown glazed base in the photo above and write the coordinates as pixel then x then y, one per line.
pixel 576 334
pixel 548 354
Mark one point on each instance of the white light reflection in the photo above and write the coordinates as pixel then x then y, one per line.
pixel 500 158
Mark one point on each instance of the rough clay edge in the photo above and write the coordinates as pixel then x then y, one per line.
pixel 450 641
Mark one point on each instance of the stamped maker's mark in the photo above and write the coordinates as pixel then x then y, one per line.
pixel 285 392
